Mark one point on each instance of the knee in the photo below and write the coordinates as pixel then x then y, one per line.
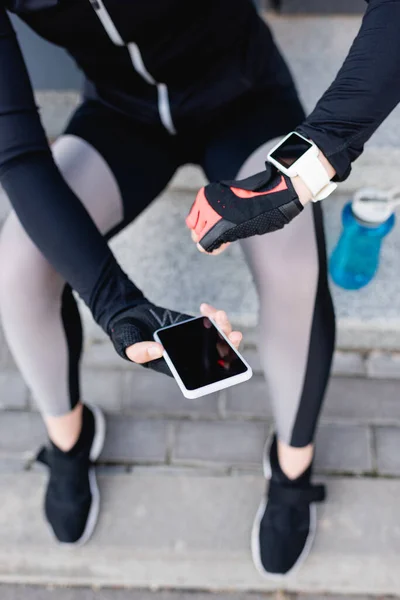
pixel 23 269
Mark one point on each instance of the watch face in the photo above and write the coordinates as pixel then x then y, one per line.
pixel 293 148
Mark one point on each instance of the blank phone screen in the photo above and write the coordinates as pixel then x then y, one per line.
pixel 200 354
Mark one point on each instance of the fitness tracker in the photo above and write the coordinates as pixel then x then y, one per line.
pixel 294 156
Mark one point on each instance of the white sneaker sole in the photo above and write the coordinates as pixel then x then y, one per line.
pixel 255 534
pixel 95 451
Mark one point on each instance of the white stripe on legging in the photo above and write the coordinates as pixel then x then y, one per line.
pixel 164 108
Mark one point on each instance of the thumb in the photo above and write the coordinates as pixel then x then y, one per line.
pixel 143 352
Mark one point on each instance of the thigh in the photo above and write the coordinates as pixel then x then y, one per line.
pixel 114 165
pixel 114 170
pixel 238 149
pixel 290 256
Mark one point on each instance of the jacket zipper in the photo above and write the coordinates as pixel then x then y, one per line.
pixel 164 108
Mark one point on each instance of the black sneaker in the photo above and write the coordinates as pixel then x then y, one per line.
pixel 285 524
pixel 72 499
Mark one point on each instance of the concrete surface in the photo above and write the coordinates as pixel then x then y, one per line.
pixel 181 481
pixel 192 532
pixel 11 592
pixel 358 434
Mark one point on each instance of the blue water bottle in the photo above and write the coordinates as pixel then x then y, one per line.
pixel 366 221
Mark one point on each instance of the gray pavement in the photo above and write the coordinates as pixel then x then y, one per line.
pixel 158 531
pixel 181 481
pixel 11 592
pixel 223 433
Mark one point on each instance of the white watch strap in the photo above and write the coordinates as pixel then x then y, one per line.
pixel 312 172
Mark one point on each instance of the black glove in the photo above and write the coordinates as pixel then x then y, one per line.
pixel 138 324
pixel 232 210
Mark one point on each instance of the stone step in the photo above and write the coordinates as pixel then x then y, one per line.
pixel 30 592
pixel 151 426
pixel 179 532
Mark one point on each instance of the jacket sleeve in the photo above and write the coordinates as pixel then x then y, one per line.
pixel 49 211
pixel 365 91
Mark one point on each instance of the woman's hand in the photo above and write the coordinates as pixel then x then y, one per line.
pixel 304 196
pixel 139 323
pixel 227 211
pixel 303 193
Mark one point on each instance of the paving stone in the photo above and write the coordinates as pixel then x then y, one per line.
pixel 350 364
pixel 363 400
pixel 12 464
pixel 248 470
pixel 112 469
pixel 104 388
pixel 381 332
pixel 333 597
pixel 151 393
pixel 253 358
pixel 58 105
pixel 130 440
pixel 197 537
pixel 18 592
pixel 228 443
pixel 13 391
pixel 176 471
pixel 383 365
pixel 387 441
pixel 249 400
pixel 21 433
pixel 343 448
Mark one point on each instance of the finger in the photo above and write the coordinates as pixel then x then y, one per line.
pixel 201 249
pixel 235 338
pixel 194 235
pixel 144 352
pixel 223 322
pixel 207 310
pixel 219 316
pixel 214 252
pixel 193 217
pixel 219 250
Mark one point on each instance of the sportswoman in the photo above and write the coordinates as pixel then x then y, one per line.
pixel 166 85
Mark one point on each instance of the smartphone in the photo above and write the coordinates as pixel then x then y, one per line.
pixel 201 358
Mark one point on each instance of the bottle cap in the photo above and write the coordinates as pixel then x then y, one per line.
pixel 372 206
